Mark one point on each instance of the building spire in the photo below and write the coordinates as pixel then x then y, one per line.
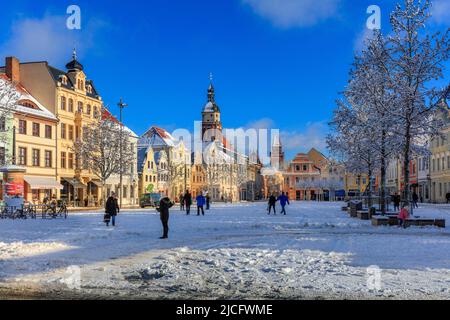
pixel 211 93
pixel 74 54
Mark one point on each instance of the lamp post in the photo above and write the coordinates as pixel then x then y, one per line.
pixel 121 105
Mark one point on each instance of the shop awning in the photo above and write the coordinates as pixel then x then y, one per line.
pixel 37 182
pixel 77 184
pixel 98 183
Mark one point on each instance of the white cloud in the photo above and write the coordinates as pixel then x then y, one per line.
pixel 264 123
pixel 313 136
pixel 48 39
pixel 362 37
pixel 294 13
pixel 441 11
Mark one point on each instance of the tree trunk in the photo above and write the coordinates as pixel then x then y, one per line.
pixel 369 187
pixel 383 174
pixel 406 160
pixel 103 192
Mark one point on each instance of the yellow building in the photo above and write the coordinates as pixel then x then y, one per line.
pixel 147 171
pixel 33 129
pixel 440 160
pixel 73 99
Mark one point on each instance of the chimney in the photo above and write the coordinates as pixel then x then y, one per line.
pixel 13 69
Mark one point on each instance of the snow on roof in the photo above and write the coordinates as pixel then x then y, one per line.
pixel 108 115
pixel 156 136
pixel 24 96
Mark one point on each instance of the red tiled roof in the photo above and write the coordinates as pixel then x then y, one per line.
pixel 106 115
pixel 161 132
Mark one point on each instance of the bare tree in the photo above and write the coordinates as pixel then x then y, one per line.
pixel 417 59
pixel 99 150
pixel 9 97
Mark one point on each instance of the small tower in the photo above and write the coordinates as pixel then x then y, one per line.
pixel 211 124
pixel 75 73
pixel 277 153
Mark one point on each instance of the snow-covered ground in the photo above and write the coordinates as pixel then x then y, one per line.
pixel 235 251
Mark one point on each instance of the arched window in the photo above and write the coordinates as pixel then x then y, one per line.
pixel 80 107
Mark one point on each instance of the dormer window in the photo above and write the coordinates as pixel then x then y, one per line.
pixel 80 84
pixel 89 88
pixel 63 79
pixel 28 104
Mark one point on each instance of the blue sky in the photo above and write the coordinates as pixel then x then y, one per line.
pixel 277 63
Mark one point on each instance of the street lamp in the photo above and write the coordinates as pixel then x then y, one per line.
pixel 121 105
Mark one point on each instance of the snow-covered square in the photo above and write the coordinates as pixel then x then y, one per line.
pixel 235 251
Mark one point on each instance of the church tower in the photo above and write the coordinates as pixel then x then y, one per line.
pixel 211 124
pixel 277 153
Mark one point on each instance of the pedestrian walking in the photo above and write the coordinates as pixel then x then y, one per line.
pixel 164 205
pixel 181 199
pixel 415 199
pixel 284 199
pixel 200 203
pixel 272 202
pixel 111 210
pixel 208 201
pixel 396 200
pixel 187 202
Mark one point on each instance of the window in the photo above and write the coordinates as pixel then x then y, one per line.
pixel 88 109
pixel 305 168
pixel 22 127
pixel 36 155
pixel 36 129
pixel 297 168
pixel 48 131
pixel 63 131
pixel 22 156
pixel 95 112
pixel 80 107
pixel 48 159
pixel 2 124
pixel 63 103
pixel 2 156
pixel 63 160
pixel 70 162
pixel 70 105
pixel 70 132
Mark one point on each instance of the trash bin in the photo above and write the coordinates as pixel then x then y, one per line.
pixel 355 206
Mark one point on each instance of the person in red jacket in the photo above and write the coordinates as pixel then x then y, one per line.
pixel 404 214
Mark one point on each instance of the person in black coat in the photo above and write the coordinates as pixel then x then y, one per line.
pixel 188 202
pixel 164 205
pixel 272 202
pixel 415 198
pixel 396 200
pixel 111 209
pixel 208 201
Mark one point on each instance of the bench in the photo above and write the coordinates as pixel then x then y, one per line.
pixel 363 215
pixel 394 221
